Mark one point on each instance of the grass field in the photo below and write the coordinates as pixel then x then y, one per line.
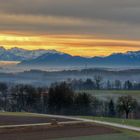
pixel 121 136
pixel 22 114
pixel 113 94
pixel 18 114
pixel 130 122
pixel 125 135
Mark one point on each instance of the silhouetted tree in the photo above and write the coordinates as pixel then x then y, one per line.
pixel 126 104
pixel 128 85
pixel 3 91
pixel 24 97
pixel 118 84
pixel 111 108
pixel 89 84
pixel 98 81
pixel 82 102
pixel 109 86
pixel 60 96
pixel 95 103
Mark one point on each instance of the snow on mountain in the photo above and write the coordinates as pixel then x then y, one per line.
pixel 123 59
pixel 19 54
pixel 30 54
pixel 51 57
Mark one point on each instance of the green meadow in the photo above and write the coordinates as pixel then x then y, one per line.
pixel 113 94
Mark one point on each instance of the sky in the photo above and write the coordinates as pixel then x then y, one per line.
pixel 78 27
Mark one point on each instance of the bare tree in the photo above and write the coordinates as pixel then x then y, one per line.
pixel 126 104
pixel 3 91
pixel 118 84
pixel 98 81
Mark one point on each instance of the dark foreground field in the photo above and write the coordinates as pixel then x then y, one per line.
pixel 19 120
pixel 68 130
pixel 53 132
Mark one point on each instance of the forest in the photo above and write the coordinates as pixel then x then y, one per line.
pixel 60 98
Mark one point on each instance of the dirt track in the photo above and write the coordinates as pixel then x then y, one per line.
pixel 51 132
pixel 15 120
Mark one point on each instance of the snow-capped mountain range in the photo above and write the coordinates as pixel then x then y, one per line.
pixel 118 59
pixel 18 54
pixel 53 57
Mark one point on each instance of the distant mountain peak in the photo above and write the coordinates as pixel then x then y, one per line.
pixel 51 56
pixel 20 54
pixel 2 48
pixel 59 59
pixel 16 48
pixel 133 53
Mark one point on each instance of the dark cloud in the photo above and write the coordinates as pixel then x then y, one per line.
pixel 106 17
pixel 96 9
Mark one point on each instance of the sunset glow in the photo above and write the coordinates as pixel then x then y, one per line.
pixel 74 45
pixel 74 27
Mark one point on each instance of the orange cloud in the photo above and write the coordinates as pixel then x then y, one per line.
pixel 72 44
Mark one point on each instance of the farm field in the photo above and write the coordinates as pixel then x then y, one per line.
pixel 53 132
pixel 71 131
pixel 26 118
pixel 113 94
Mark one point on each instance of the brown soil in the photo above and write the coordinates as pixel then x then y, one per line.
pixel 15 120
pixel 52 132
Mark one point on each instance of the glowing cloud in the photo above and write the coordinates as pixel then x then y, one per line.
pixel 74 45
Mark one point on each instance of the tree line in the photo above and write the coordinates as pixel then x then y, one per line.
pixel 60 98
pixel 98 83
